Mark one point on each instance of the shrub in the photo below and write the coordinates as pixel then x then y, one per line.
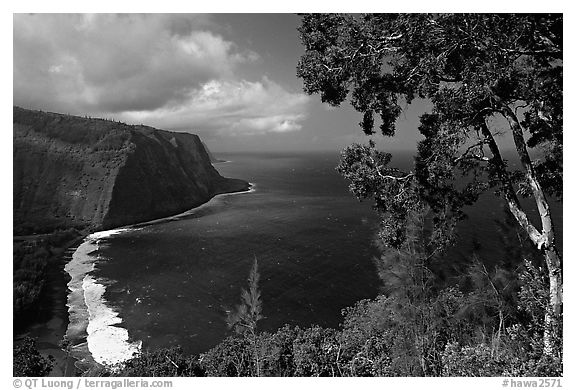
pixel 232 357
pixel 28 361
pixel 315 352
pixel 163 362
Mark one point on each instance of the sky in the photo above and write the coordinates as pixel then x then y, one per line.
pixel 230 78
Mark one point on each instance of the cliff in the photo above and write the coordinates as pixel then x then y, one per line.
pixel 212 158
pixel 97 174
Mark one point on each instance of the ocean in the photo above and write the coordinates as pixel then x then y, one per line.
pixel 169 282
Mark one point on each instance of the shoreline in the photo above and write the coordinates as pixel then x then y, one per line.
pixel 251 188
pixel 51 332
pixel 89 316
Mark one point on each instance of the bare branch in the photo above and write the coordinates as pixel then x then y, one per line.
pixel 469 149
pixel 408 176
pixel 339 68
pixel 555 53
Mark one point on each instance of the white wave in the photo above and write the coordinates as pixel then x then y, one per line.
pixel 88 313
pixel 252 189
pixel 108 344
pixel 107 233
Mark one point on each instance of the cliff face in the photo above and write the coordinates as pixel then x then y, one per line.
pixel 212 158
pixel 97 174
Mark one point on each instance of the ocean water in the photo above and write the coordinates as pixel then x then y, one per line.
pixel 171 281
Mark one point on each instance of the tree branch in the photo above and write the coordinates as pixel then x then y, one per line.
pixel 541 201
pixel 509 193
pixel 408 176
pixel 477 157
pixel 555 53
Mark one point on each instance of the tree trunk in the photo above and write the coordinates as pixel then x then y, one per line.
pixel 552 323
pixel 256 357
pixel 544 240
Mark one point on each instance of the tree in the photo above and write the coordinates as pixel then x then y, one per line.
pixel 66 346
pixel 244 319
pixel 485 75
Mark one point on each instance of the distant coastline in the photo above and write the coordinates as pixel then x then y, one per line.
pixel 251 188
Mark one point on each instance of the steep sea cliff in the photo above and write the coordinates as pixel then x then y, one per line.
pixel 98 174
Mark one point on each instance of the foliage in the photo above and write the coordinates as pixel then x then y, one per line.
pixel 31 259
pixel 244 320
pixel 232 357
pixel 518 349
pixel 491 297
pixel 277 351
pixel 393 190
pixel 477 70
pixel 315 352
pixel 29 277
pixel 163 362
pixel 527 336
pixel 477 360
pixel 28 361
pixel 485 75
pixel 246 316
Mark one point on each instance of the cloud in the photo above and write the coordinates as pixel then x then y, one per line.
pixel 168 71
pixel 115 63
pixel 231 108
